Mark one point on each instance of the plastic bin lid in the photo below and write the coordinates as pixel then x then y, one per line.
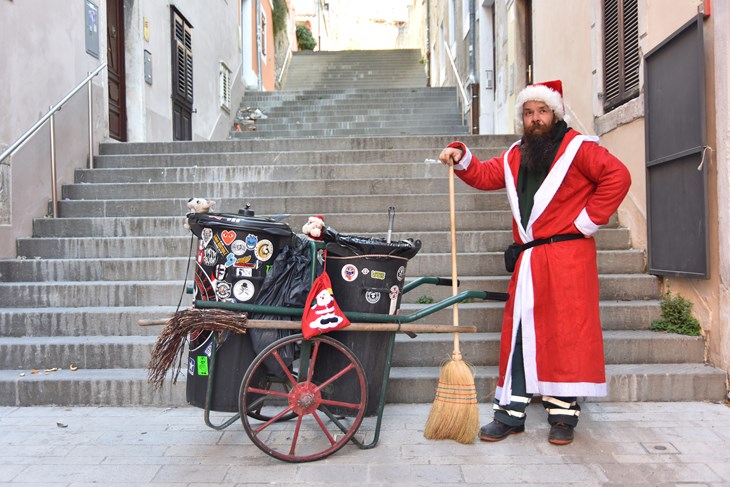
pixel 227 221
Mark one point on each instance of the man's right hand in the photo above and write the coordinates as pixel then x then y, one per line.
pixel 450 156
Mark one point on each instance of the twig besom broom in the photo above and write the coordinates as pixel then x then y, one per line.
pixel 454 413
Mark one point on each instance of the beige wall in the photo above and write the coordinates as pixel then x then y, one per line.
pixel 576 59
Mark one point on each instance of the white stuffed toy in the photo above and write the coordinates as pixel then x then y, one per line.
pixel 313 227
pixel 198 205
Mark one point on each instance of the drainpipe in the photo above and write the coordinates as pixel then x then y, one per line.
pixel 428 43
pixel 473 80
pixel 258 45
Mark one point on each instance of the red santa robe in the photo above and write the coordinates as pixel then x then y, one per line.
pixel 554 288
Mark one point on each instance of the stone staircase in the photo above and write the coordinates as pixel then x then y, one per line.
pixel 119 253
pixel 351 93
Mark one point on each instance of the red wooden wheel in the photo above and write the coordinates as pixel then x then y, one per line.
pixel 314 432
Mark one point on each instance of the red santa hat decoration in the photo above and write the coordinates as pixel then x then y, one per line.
pixel 548 92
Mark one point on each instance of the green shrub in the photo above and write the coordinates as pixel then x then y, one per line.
pixel 304 38
pixel 279 14
pixel 424 300
pixel 677 316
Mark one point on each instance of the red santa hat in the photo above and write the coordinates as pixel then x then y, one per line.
pixel 548 92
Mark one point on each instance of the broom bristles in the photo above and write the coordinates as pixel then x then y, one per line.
pixel 454 413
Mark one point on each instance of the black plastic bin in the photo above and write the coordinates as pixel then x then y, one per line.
pixel 235 253
pixel 367 275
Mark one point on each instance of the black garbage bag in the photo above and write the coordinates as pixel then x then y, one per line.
pixel 287 285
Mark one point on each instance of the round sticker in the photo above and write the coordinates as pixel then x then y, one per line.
pixel 238 247
pixel 349 272
pixel 243 290
pixel 401 273
pixel 264 250
pixel 372 297
pixel 223 290
pixel 394 291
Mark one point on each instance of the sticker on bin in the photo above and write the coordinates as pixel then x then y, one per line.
pixel 380 275
pixel 372 297
pixel 394 292
pixel 401 273
pixel 206 235
pixel 219 244
pixel 349 272
pixel 243 290
pixel 264 250
pixel 202 364
pixel 210 257
pixel 228 236
pixel 223 290
pixel 191 366
pixel 238 247
pixel 251 241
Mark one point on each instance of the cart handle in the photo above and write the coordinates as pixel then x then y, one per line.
pixel 359 316
pixel 438 281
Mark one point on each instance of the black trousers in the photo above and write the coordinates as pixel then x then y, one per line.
pixel 560 409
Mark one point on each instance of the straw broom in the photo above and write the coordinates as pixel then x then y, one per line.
pixel 454 413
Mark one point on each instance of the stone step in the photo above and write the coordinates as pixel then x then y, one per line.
pixel 482 349
pixel 124 320
pixel 427 350
pixel 294 204
pixel 346 222
pixel 129 387
pixel 399 143
pixel 168 287
pixel 243 190
pixel 626 383
pixel 74 321
pixel 492 243
pixel 491 222
pixel 436 129
pixel 262 172
pixel 273 158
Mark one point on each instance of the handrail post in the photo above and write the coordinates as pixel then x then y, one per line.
pixel 54 194
pixel 91 128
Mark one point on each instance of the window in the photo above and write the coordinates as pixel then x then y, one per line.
pixel 225 87
pixel 264 36
pixel 621 56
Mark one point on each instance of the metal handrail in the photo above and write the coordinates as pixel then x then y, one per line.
pixel 284 66
pixel 50 116
pixel 465 104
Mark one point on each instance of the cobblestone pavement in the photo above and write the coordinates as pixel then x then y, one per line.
pixel 616 444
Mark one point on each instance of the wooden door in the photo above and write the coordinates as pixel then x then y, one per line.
pixel 115 70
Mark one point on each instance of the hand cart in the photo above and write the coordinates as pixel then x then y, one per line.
pixel 294 414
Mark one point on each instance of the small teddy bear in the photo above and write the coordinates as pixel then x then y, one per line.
pixel 198 205
pixel 313 227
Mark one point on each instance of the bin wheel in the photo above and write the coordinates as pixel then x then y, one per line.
pixel 315 432
pixel 270 382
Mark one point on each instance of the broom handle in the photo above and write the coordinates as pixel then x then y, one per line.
pixel 454 280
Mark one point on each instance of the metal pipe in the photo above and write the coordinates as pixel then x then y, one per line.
pixel 54 194
pixel 91 129
pixel 28 133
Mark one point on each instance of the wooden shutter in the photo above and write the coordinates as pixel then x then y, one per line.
pixel 183 66
pixel 621 59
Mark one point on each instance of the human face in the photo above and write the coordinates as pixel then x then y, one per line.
pixel 537 118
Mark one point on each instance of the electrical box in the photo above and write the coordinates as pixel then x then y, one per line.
pixel 91 28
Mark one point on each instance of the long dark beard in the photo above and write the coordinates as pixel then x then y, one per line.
pixel 538 151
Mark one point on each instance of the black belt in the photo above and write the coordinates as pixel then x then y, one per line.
pixel 554 238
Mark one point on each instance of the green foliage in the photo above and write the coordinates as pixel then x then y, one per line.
pixel 677 316
pixel 304 38
pixel 280 13
pixel 424 300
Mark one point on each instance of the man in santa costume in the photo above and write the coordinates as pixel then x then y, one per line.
pixel 562 186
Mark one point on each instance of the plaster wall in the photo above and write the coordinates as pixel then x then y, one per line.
pixel 40 66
